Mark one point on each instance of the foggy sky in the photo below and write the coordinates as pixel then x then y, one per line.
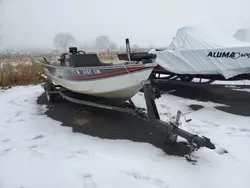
pixel 34 23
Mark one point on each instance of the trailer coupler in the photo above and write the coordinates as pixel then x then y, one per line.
pixel 193 139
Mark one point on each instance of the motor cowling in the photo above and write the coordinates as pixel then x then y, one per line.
pixel 73 50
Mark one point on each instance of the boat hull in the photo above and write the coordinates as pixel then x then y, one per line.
pixel 120 82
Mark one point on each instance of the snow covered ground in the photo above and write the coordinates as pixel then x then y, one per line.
pixel 37 152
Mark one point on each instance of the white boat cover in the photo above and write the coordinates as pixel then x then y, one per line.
pixel 199 51
pixel 243 34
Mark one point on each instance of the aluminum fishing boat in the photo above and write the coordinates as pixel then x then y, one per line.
pixel 86 74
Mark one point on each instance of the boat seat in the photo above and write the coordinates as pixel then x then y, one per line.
pixel 87 60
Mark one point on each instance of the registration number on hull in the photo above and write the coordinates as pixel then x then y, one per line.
pixel 91 71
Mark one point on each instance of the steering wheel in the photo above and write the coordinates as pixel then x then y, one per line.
pixel 81 52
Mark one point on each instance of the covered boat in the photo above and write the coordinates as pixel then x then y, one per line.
pixel 243 34
pixel 198 51
pixel 86 74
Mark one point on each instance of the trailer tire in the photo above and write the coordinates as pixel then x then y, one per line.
pixel 49 96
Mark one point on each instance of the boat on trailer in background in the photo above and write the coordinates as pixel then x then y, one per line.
pixel 199 58
pixel 111 86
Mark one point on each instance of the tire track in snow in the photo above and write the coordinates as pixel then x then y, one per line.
pixel 88 178
pixel 155 181
pixel 88 181
pixel 5 151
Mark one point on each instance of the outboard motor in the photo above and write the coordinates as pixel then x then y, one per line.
pixel 73 50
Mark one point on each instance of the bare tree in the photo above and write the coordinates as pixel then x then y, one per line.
pixel 62 41
pixel 112 46
pixel 102 42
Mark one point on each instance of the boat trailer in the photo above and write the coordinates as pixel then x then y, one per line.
pixel 210 84
pixel 151 114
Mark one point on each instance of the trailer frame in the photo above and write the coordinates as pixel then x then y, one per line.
pixel 151 114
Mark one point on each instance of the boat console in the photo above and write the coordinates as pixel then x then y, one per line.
pixel 79 58
pixel 87 60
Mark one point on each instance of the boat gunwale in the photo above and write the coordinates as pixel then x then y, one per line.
pixel 153 64
pixel 70 78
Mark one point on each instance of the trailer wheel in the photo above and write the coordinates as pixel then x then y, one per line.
pixel 50 96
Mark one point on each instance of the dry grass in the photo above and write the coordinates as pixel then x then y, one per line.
pixel 25 70
pixel 19 73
